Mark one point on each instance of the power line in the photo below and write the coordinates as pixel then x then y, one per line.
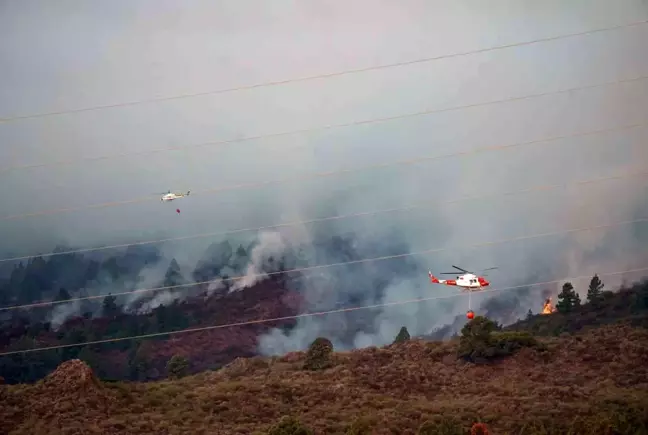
pixel 299 316
pixel 323 266
pixel 319 76
pixel 412 206
pixel 318 128
pixel 314 175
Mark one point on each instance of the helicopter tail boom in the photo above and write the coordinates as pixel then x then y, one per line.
pixel 435 280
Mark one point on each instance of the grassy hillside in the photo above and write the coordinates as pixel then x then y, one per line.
pixel 582 371
pixel 587 382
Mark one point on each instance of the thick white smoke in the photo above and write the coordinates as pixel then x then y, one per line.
pixel 269 244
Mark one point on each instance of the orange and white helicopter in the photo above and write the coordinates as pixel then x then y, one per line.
pixel 467 282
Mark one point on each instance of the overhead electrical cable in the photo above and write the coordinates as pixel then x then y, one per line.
pixel 313 314
pixel 320 76
pixel 412 206
pixel 315 175
pixel 319 128
pixel 325 266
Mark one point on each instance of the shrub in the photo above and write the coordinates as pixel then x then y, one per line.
pixel 480 341
pixel 319 353
pixel 476 341
pixel 403 336
pixel 508 343
pixel 177 366
pixel 289 426
pixel 441 425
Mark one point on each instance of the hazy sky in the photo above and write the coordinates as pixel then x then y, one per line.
pixel 72 54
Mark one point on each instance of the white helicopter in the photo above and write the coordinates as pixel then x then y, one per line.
pixel 468 282
pixel 169 196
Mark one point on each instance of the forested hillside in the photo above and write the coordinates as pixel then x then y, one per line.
pixel 68 276
pixel 172 305
pixel 60 278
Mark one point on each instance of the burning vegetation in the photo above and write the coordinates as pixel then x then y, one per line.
pixel 548 307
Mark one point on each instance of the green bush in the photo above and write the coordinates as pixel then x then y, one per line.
pixel 319 354
pixel 289 426
pixel 481 340
pixel 476 342
pixel 403 336
pixel 177 366
pixel 508 343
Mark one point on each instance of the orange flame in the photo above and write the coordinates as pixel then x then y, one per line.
pixel 548 307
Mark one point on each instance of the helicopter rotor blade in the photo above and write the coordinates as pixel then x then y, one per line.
pixel 459 268
pixel 485 273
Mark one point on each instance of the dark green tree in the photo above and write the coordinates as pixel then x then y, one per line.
pixel 403 335
pixel 568 299
pixel 110 307
pixel 529 314
pixel 476 341
pixel 177 366
pixel 319 353
pixel 173 276
pixel 594 291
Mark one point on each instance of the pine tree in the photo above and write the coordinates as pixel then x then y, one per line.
pixel 110 307
pixel 173 276
pixel 403 335
pixel 568 299
pixel 594 291
pixel 529 314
